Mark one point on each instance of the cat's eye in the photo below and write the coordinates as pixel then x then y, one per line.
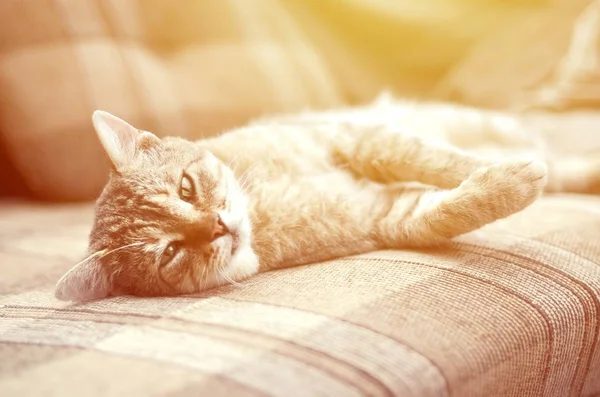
pixel 187 190
pixel 168 254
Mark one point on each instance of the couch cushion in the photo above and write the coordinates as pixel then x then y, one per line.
pixel 512 309
pixel 191 70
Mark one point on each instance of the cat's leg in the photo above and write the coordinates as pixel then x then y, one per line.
pixel 389 156
pixel 477 130
pixel 490 193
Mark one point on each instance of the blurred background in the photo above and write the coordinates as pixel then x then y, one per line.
pixel 195 68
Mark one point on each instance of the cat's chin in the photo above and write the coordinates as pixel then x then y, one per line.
pixel 243 263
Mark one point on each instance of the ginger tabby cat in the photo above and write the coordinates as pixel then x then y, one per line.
pixel 178 217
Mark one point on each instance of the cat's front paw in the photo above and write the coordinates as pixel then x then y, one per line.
pixel 511 185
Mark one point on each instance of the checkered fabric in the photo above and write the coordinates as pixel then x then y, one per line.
pixel 510 310
pixel 184 68
pixel 194 68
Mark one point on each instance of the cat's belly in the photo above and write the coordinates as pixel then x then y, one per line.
pixel 301 220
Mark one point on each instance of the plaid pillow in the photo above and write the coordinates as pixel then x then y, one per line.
pixel 191 69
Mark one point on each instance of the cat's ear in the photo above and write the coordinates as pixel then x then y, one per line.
pixel 85 281
pixel 120 140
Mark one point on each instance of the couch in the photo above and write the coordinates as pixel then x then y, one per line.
pixel 510 310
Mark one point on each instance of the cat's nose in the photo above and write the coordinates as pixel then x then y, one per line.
pixel 220 229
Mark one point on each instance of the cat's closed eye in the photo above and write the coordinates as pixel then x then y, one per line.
pixel 168 254
pixel 187 189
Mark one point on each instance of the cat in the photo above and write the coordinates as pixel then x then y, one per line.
pixel 179 217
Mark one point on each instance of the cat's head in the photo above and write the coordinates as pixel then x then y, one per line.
pixel 171 220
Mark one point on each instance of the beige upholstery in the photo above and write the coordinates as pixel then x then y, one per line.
pixel 512 310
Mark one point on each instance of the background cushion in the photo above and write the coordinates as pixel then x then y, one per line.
pixel 190 69
pixel 196 68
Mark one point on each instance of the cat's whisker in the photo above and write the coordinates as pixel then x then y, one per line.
pixel 254 189
pixel 242 177
pixel 211 267
pixel 243 182
pixel 104 252
pixel 247 176
pixel 259 184
pixel 229 279
pixel 220 267
pixel 138 243
pixel 203 279
pixel 231 164
pixel 247 182
pixel 254 185
pixel 91 256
